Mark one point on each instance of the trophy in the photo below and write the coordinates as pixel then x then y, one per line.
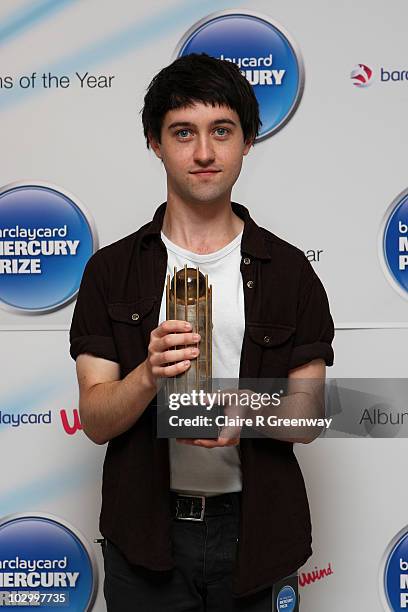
pixel 188 298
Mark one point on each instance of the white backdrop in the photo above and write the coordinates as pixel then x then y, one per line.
pixel 323 182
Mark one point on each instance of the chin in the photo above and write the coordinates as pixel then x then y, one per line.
pixel 208 197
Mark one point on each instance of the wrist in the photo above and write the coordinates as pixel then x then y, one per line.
pixel 149 382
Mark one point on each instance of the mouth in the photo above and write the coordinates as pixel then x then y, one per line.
pixel 205 172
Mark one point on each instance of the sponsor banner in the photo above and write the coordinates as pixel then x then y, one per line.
pixel 44 562
pixel 46 238
pixel 265 53
pixel 70 420
pixel 17 419
pixel 286 599
pixel 393 244
pixel 392 75
pixel 309 577
pixel 285 595
pixel 71 425
pixel 394 573
pixel 362 75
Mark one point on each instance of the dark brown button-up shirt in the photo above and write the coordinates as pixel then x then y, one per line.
pixel 287 324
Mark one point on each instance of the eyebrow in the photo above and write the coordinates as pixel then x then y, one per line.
pixel 193 125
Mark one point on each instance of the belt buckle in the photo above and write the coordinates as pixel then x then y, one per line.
pixel 180 503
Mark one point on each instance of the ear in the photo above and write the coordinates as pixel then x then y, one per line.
pixel 248 144
pixel 155 146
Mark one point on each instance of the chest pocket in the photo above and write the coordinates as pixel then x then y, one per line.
pixel 271 346
pixel 132 323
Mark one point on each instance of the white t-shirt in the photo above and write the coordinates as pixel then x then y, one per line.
pixel 211 471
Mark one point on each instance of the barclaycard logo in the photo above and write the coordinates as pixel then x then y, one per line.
pixel 19 419
pixel 258 70
pixel 394 573
pixel 265 53
pixel 286 599
pixel 46 239
pixel 393 244
pixel 361 75
pixel 45 562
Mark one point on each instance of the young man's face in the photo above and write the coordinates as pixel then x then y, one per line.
pixel 202 148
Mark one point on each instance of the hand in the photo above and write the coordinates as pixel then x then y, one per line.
pixel 229 434
pixel 164 361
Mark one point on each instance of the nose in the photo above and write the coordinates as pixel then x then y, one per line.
pixel 204 151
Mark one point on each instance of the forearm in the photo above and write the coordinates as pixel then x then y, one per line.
pixel 279 422
pixel 109 409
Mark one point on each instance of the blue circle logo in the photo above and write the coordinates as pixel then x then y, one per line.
pixel 46 238
pixel 286 600
pixel 394 244
pixel 265 54
pixel 394 573
pixel 44 563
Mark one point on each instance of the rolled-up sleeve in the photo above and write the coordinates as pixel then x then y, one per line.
pixel 91 329
pixel 314 325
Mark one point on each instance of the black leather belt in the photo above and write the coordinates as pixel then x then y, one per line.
pixel 195 507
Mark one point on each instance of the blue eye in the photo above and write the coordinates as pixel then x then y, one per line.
pixel 183 133
pixel 224 131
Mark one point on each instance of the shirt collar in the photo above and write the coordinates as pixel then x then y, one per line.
pixel 253 237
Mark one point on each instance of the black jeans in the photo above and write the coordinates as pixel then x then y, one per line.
pixel 204 553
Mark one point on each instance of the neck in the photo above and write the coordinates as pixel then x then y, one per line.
pixel 200 227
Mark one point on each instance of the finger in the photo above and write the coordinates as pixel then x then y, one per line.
pixel 205 443
pixel 228 441
pixel 171 340
pixel 171 356
pixel 216 443
pixel 171 370
pixel 171 326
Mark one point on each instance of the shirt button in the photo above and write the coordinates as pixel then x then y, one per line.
pixel 267 339
pixel 247 260
pixel 250 284
pixel 135 316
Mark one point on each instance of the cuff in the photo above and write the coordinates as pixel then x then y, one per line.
pixel 99 346
pixel 307 352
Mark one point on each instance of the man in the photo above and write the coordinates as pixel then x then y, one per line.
pixel 271 319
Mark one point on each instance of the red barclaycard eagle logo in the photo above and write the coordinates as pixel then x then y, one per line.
pixel 361 75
